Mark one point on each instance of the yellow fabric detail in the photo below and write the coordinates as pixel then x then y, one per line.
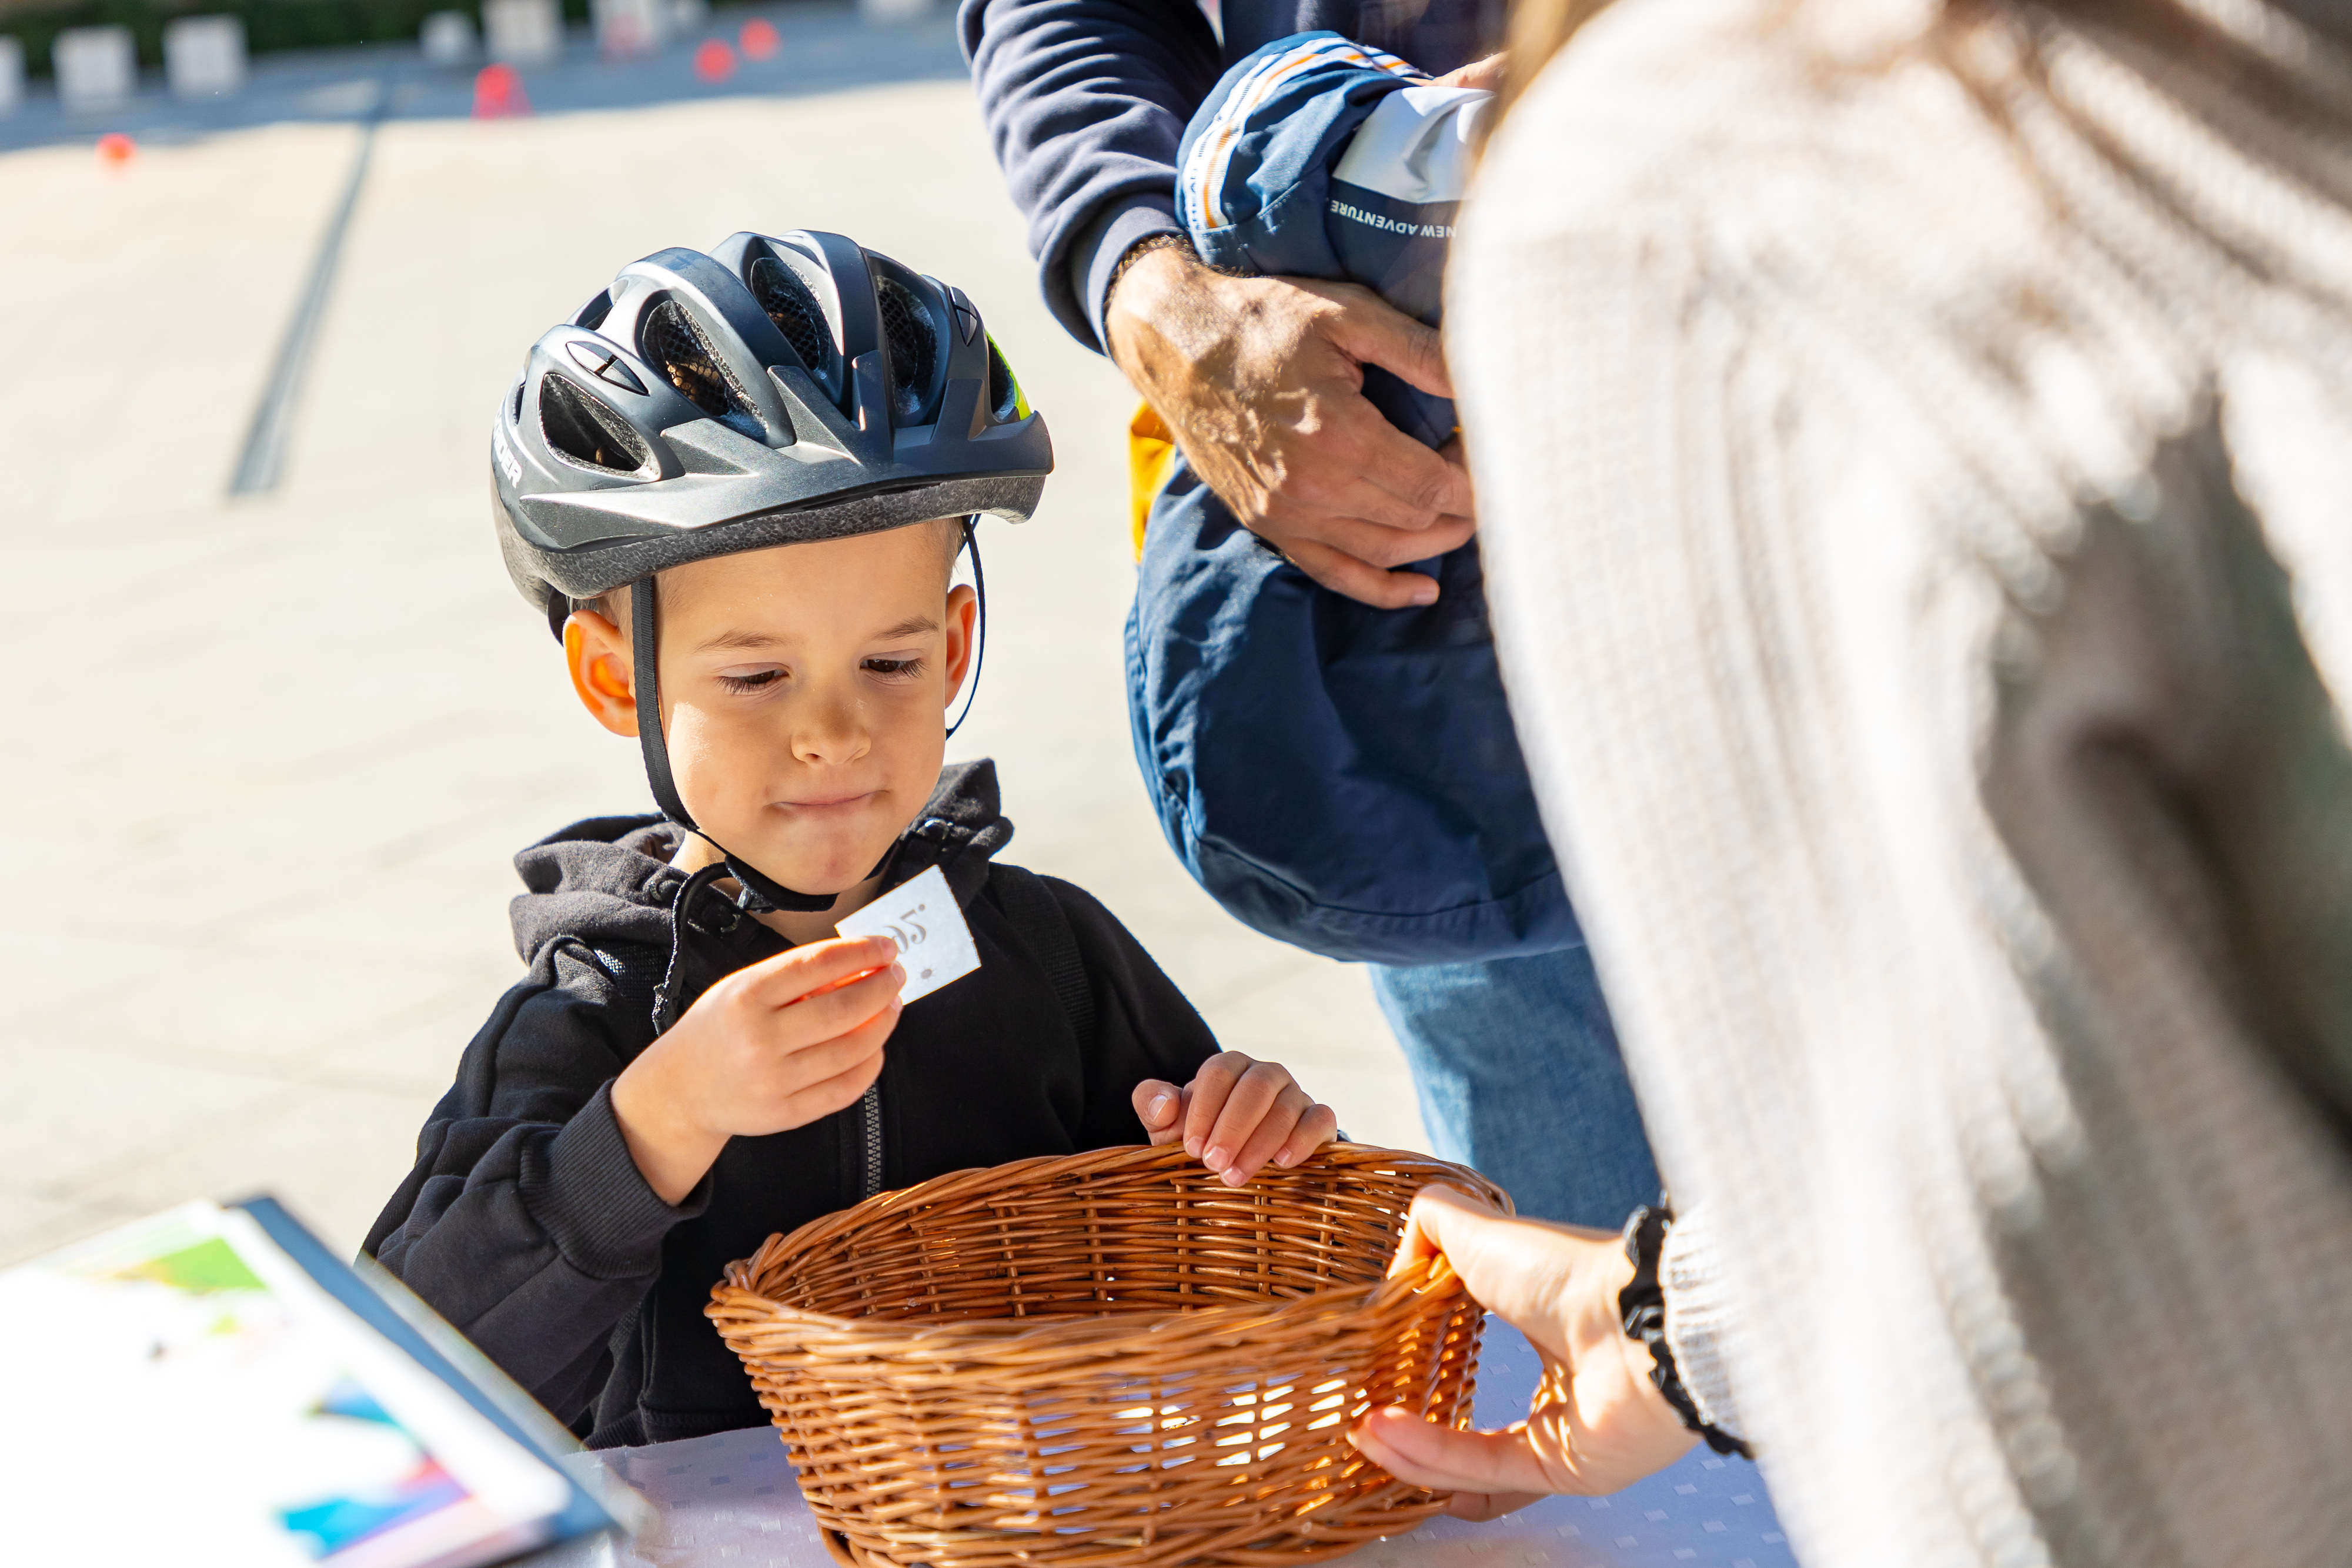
pixel 1150 454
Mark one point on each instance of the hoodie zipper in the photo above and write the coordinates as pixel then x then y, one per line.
pixel 869 1110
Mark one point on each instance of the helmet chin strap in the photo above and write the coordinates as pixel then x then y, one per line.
pixel 979 592
pixel 761 892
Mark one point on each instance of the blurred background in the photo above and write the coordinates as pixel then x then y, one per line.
pixel 280 721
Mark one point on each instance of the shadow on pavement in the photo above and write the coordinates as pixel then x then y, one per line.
pixel 825 50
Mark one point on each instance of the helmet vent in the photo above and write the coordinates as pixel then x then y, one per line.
pixel 673 342
pixel 786 301
pixel 914 345
pixel 1004 391
pixel 583 427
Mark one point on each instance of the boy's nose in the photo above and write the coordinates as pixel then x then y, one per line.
pixel 833 731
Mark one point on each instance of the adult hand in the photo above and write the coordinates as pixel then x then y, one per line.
pixel 1485 75
pixel 1261 380
pixel 1596 1422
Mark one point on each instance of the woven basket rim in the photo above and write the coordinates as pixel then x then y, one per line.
pixel 918 1338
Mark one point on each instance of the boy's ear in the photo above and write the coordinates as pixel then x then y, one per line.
pixel 601 671
pixel 963 608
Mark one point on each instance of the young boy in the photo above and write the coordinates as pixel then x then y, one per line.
pixel 737 484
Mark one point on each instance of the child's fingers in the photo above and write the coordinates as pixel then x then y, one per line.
pixel 838 1010
pixel 1252 1097
pixel 1269 1136
pixel 1159 1106
pixel 858 1057
pixel 1314 1129
pixel 1295 1128
pixel 817 968
pixel 1207 1094
pixel 820 1060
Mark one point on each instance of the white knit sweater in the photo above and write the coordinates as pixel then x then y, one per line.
pixel 1888 444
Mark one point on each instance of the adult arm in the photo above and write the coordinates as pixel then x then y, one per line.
pixel 1259 379
pixel 1086 102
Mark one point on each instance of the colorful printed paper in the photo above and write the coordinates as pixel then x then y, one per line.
pixel 180 1390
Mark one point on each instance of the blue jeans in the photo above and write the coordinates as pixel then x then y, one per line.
pixel 1516 1065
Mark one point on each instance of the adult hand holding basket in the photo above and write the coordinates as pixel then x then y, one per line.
pixel 1112 1356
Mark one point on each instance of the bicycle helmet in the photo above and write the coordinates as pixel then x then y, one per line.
pixel 780 390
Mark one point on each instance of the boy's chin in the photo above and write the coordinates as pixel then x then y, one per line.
pixel 829 875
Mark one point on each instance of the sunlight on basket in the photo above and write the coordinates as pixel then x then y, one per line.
pixel 1107 1357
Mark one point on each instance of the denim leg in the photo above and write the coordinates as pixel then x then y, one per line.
pixel 1516 1068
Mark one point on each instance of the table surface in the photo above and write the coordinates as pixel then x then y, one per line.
pixel 729 1501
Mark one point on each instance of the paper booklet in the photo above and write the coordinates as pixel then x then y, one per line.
pixel 212 1385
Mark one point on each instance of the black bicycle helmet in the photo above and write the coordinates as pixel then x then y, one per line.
pixel 780 390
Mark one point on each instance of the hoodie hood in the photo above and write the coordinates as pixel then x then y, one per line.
pixel 608 879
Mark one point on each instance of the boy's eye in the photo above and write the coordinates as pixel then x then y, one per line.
pixel 752 681
pixel 900 668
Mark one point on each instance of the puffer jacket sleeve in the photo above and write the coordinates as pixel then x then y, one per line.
pixel 525 1222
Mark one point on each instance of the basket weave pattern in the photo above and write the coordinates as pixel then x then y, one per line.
pixel 1106 1358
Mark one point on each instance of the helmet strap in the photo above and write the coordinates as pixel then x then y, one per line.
pixel 980 592
pixel 762 894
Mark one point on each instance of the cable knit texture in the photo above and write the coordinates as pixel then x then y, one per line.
pixel 1915 461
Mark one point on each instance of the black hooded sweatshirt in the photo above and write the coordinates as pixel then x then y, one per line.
pixel 528 1226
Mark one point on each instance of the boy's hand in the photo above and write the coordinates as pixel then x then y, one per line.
pixel 769 1048
pixel 1236 1116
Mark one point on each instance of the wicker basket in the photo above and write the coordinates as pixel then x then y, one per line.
pixel 1106 1358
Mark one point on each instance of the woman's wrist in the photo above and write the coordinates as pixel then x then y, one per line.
pixel 1641 1308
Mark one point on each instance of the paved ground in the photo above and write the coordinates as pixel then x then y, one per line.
pixel 268 758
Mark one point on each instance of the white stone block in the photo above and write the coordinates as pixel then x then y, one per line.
pixel 12 73
pixel 630 26
pixel 96 67
pixel 893 10
pixel 204 56
pixel 447 38
pixel 522 32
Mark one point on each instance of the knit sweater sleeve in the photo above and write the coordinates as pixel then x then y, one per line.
pixel 1921 718
pixel 525 1222
pixel 1699 1319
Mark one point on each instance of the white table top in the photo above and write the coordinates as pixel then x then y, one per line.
pixel 729 1501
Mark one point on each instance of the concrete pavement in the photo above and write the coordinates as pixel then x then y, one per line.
pixel 267 759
